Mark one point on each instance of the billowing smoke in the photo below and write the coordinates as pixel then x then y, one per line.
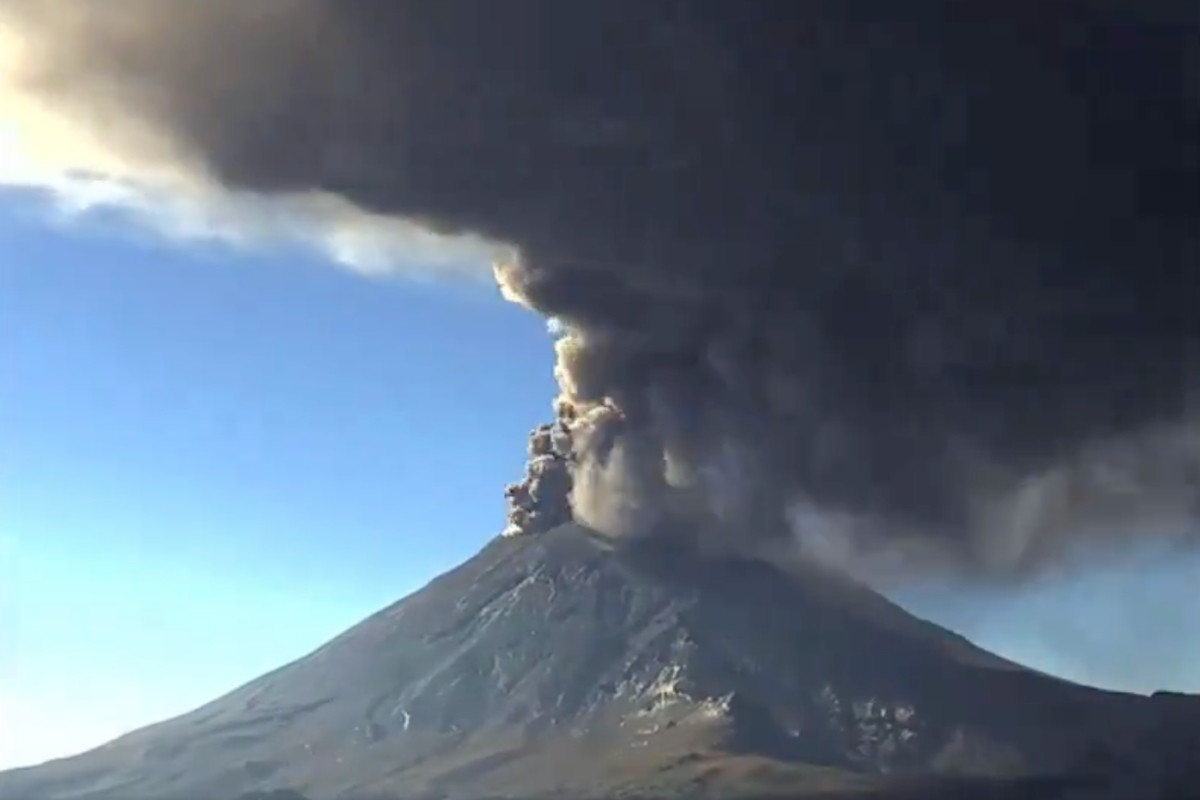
pixel 542 500
pixel 913 284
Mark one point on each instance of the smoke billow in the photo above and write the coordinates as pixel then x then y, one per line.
pixel 540 501
pixel 910 282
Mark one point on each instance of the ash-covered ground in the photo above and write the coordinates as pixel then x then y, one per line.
pixel 561 663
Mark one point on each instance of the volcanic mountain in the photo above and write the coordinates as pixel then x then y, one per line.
pixel 566 664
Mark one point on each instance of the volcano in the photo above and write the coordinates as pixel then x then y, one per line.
pixel 567 664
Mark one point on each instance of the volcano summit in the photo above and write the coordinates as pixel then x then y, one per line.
pixel 563 664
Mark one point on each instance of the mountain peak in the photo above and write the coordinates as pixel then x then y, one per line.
pixel 556 662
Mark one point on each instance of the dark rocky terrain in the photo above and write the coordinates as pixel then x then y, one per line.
pixel 559 666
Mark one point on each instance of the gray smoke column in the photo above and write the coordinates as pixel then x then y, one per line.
pixel 541 500
pixel 910 282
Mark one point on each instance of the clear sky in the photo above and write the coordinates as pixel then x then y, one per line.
pixel 213 460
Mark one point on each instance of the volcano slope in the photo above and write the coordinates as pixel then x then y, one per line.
pixel 564 664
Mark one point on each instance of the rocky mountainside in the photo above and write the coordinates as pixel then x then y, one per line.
pixel 560 664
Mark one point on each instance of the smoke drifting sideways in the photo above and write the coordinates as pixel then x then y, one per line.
pixel 912 285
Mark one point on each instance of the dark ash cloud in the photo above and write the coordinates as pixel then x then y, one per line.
pixel 907 280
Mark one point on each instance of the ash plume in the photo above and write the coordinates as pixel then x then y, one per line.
pixel 540 501
pixel 911 283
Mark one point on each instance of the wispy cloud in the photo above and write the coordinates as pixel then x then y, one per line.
pixel 83 161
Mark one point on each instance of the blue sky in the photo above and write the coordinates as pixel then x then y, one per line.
pixel 214 460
